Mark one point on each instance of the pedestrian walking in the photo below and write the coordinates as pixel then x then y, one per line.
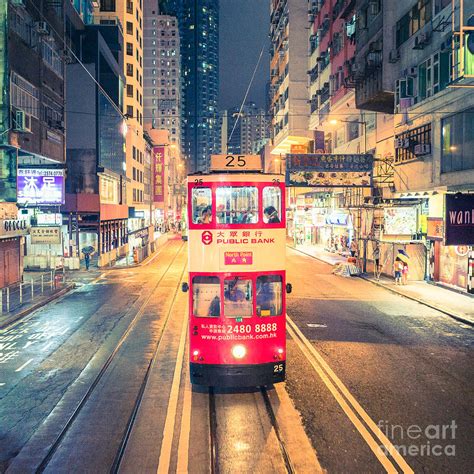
pixel 405 273
pixel 376 256
pixel 353 248
pixel 397 269
pixel 87 260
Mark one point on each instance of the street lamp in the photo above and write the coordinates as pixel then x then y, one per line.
pixel 361 122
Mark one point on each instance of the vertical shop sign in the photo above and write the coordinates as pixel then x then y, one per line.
pixel 158 173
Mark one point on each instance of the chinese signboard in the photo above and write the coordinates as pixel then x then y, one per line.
pixel 49 219
pixel 459 219
pixel 400 220
pixel 40 186
pixel 328 170
pixel 435 228
pixel 45 235
pixel 159 173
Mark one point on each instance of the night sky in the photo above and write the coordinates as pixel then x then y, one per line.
pixel 244 27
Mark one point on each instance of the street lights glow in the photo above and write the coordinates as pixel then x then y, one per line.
pixel 124 128
pixel 333 121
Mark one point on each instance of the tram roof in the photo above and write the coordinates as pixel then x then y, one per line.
pixel 237 176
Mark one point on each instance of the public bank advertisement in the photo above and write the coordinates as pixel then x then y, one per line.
pixel 40 186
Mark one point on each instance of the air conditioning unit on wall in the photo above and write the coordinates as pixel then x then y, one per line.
pixel 422 149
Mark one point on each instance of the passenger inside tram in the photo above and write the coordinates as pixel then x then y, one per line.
pixel 271 215
pixel 238 297
pixel 269 295
pixel 206 215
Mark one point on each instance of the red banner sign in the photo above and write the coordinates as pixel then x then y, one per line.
pixel 158 173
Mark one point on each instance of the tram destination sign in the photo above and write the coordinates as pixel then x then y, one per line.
pixel 236 163
pixel 326 170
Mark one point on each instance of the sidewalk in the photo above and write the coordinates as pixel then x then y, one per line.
pixel 449 302
pixel 36 291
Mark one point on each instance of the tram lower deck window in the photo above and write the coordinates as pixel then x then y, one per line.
pixel 238 301
pixel 206 296
pixel 269 295
pixel 237 205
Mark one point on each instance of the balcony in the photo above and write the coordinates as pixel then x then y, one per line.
pixel 369 92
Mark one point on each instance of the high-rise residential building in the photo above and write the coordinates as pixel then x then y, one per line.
pixel 95 207
pixel 289 51
pixel 129 15
pixel 32 128
pixel 246 130
pixel 199 31
pixel 162 73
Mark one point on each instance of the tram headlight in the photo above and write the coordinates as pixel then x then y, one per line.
pixel 239 351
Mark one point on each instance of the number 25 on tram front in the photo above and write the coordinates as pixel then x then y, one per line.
pixel 237 279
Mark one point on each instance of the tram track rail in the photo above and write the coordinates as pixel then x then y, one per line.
pixel 138 402
pixel 105 366
pixel 213 435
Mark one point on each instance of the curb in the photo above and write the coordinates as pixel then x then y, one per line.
pixel 37 306
pixel 445 311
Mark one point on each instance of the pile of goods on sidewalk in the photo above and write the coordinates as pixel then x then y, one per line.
pixel 346 269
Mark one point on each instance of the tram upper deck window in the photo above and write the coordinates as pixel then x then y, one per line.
pixel 269 295
pixel 202 205
pixel 238 298
pixel 271 204
pixel 206 296
pixel 237 205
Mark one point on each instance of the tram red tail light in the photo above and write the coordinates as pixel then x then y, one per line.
pixel 196 356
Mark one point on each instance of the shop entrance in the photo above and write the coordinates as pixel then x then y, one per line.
pixel 9 262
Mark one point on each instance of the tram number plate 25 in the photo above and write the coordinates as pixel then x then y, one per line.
pixel 278 368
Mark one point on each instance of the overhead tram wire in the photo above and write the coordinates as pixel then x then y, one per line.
pixel 247 92
pixel 66 46
pixel 329 114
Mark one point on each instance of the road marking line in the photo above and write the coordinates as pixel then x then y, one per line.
pixel 168 432
pixel 2 384
pixel 312 325
pixel 321 367
pixel 47 345
pixel 23 366
pixel 183 445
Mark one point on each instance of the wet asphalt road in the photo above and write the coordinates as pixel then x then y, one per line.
pixel 409 367
pixel 406 364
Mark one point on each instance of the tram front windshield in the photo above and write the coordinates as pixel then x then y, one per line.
pixel 237 205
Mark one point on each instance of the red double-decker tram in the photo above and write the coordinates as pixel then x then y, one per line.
pixel 237 279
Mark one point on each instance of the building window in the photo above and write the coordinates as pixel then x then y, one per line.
pixel 52 58
pixel 129 49
pixel 413 143
pixel 24 95
pixel 129 6
pixel 130 70
pixel 130 111
pixel 129 28
pixel 107 5
pixel 457 139
pixel 415 19
pixel 434 74
pixel 129 90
